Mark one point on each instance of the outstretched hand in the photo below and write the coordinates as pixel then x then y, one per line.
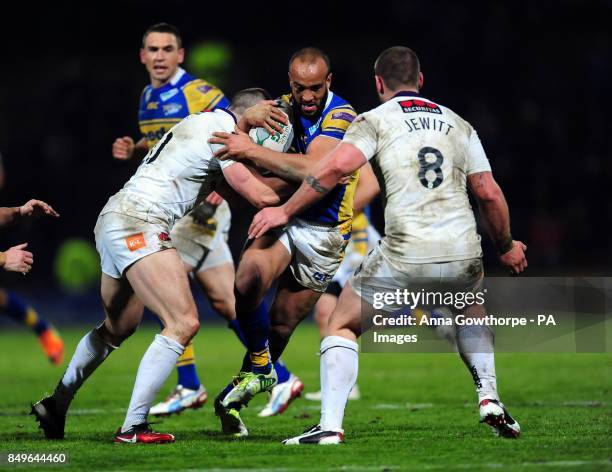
pixel 267 219
pixel 37 208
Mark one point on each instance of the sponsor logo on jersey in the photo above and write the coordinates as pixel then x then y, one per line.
pixel 163 236
pixel 152 105
pixel 135 242
pixel 168 95
pixel 172 108
pixel 343 116
pixel 415 105
pixel 204 88
pixel 313 129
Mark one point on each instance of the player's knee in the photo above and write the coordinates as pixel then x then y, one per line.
pixel 188 327
pixel 226 308
pixel 250 278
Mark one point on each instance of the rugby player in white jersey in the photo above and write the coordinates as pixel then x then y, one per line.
pixel 426 158
pixel 141 268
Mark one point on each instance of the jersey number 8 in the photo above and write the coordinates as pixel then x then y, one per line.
pixel 430 173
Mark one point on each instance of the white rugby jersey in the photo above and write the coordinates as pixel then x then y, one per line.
pixel 176 170
pixel 422 153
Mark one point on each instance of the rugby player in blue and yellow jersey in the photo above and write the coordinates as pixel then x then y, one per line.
pixel 305 255
pixel 172 95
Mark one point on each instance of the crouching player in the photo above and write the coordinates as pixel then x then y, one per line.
pixel 141 267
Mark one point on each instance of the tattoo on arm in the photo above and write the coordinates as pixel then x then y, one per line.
pixel 315 184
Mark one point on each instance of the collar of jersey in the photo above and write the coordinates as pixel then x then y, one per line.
pixel 175 79
pixel 229 113
pixel 406 93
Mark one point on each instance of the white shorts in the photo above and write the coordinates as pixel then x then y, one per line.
pixel 204 246
pixel 122 240
pixel 380 273
pixel 316 252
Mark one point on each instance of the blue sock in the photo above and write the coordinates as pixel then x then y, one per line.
pixel 186 369
pixel 282 371
pixel 255 325
pixel 235 327
pixel 279 366
pixel 17 309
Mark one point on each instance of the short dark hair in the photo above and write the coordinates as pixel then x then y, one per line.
pixel 398 66
pixel 163 28
pixel 247 98
pixel 311 54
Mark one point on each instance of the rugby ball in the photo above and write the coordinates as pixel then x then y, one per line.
pixel 279 141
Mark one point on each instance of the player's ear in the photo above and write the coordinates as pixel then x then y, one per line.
pixel 380 85
pixel 142 55
pixel 420 81
pixel 328 80
pixel 181 55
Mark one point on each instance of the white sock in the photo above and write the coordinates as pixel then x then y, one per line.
pixel 89 354
pixel 475 345
pixel 339 366
pixel 154 369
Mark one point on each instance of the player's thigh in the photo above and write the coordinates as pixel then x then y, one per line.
pixel 218 285
pixel 161 282
pixel 346 317
pixel 293 301
pixel 122 307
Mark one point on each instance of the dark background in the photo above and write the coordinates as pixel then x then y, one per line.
pixel 532 77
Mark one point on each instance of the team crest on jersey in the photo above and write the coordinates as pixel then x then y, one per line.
pixel 204 88
pixel 172 108
pixel 168 95
pixel 415 105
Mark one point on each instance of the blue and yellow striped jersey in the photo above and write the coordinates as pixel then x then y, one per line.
pixel 161 108
pixel 337 206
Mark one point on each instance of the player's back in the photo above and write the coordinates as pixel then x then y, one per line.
pixel 176 170
pixel 423 154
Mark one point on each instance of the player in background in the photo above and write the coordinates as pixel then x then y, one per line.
pixel 17 259
pixel 427 157
pixel 140 266
pixel 172 95
pixel 304 257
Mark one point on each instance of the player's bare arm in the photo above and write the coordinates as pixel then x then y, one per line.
pixel 257 192
pixel 33 208
pixel 496 218
pixel 124 148
pixel 293 167
pixel 343 161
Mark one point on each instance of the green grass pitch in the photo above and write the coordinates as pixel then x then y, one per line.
pixel 418 412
